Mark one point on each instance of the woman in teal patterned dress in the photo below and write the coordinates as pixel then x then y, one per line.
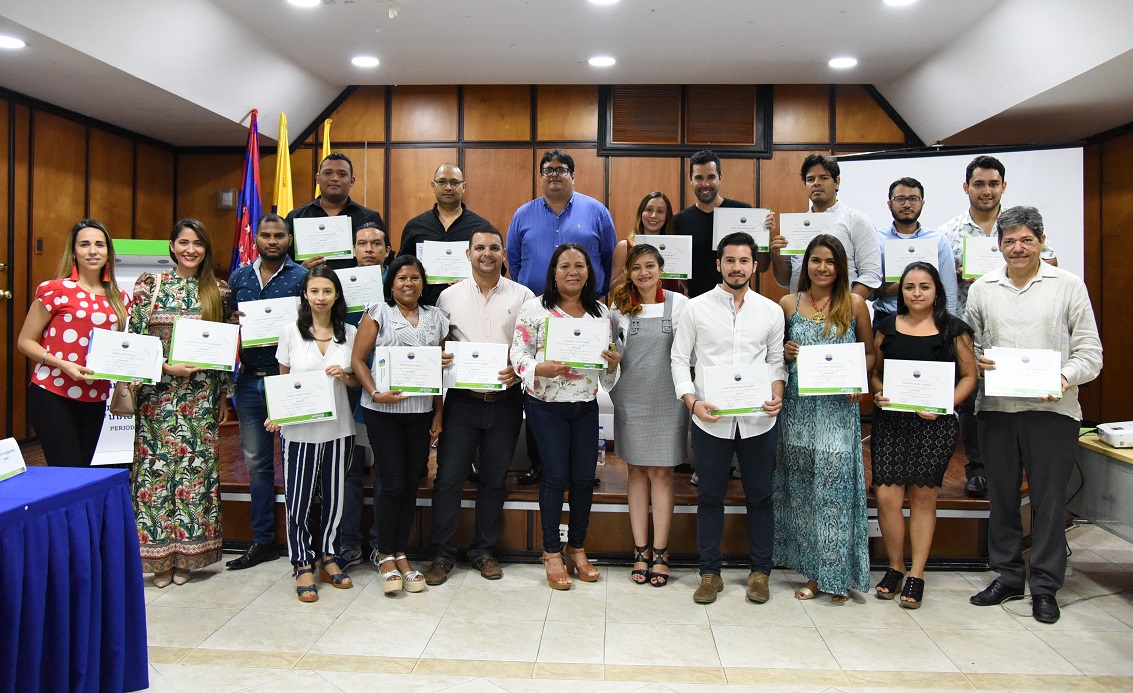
pixel 819 483
pixel 176 471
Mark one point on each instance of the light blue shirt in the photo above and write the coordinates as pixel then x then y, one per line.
pixel 946 265
pixel 536 231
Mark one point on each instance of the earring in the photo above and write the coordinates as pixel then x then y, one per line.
pixel 106 273
pixel 74 272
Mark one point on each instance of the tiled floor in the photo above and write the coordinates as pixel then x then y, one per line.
pixel 245 631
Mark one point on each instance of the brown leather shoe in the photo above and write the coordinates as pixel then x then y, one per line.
pixel 437 572
pixel 489 568
pixel 710 585
pixel 757 590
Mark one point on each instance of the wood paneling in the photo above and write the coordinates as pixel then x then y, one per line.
pixel 781 190
pixel 1116 280
pixel 737 180
pixel 59 193
pixel 423 114
pixel 21 266
pixel 112 182
pixel 1090 394
pixel 498 181
pixel 860 119
pixel 303 162
pixel 632 178
pixel 567 113
pixel 497 113
pixel 361 118
pixel 369 177
pixel 8 352
pixel 801 113
pixel 199 178
pixel 411 186
pixel 154 214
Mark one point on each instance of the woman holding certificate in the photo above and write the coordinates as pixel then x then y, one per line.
pixel 316 453
pixel 911 449
pixel 65 408
pixel 650 425
pixel 400 427
pixel 176 470
pixel 654 216
pixel 819 483
pixel 569 323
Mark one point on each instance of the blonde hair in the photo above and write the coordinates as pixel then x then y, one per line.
pixel 67 265
pixel 208 293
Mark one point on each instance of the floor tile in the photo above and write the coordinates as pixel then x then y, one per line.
pixel 356 682
pixel 731 608
pixel 671 605
pixel 636 643
pixel 577 605
pixel 772 648
pixel 1080 616
pixel 885 649
pixel 664 675
pixel 175 626
pixel 356 663
pixel 270 631
pixel 567 642
pixel 378 634
pixel 951 610
pixel 507 604
pixel 1105 654
pixel 1000 652
pixel 869 613
pixel 217 679
pixel 485 639
pixel 281 596
pixel 1065 683
pixel 472 667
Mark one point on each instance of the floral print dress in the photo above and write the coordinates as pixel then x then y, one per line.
pixel 175 477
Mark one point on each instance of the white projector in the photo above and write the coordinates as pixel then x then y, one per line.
pixel 1118 434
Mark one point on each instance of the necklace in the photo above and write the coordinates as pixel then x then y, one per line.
pixel 819 317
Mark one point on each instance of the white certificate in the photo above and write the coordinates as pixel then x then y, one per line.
pixel 832 369
pixel 210 345
pixel 123 356
pixel 327 236
pixel 415 370
pixel 361 287
pixel 737 390
pixel 800 230
pixel 300 397
pixel 677 251
pixel 981 256
pixel 577 342
pixel 445 261
pixel 900 253
pixel 11 459
pixel 1023 372
pixel 726 220
pixel 476 365
pixel 263 321
pixel 926 386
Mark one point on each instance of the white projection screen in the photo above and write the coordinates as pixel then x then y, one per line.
pixel 1049 179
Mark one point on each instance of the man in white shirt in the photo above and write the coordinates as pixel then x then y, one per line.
pixel 731 325
pixel 482 308
pixel 1029 304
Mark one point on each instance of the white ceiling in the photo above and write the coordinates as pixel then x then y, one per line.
pixel 187 72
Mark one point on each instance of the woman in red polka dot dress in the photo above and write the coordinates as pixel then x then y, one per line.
pixel 65 408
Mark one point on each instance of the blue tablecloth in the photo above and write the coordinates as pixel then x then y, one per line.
pixel 72 612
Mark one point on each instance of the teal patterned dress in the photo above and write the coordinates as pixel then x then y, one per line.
pixel 819 483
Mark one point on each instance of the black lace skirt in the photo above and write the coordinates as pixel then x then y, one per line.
pixel 909 450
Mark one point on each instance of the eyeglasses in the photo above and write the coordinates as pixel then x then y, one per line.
pixel 449 183
pixel 911 199
pixel 561 171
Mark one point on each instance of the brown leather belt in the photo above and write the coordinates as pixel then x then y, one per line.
pixel 488 396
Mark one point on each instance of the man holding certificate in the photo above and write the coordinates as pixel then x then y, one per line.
pixel 733 327
pixel 1029 304
pixel 482 311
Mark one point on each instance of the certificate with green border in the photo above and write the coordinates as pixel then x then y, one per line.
pixel 299 397
pixel 577 342
pixel 210 345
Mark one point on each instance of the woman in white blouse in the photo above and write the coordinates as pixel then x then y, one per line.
pixel 317 453
pixel 562 410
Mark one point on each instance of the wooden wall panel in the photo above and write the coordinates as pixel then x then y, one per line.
pixel 423 114
pixel 860 119
pixel 632 178
pixel 9 355
pixel 369 177
pixel 497 113
pixel 154 214
pixel 410 185
pixel 112 182
pixel 21 266
pixel 589 171
pixel 801 113
pixel 59 188
pixel 361 118
pixel 1116 280
pixel 199 178
pixel 781 190
pixel 1090 394
pixel 303 162
pixel 567 113
pixel 498 181
pixel 737 180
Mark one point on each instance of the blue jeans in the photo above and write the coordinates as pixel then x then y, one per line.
pixel 259 452
pixel 567 433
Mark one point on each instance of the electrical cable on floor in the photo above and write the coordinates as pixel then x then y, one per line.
pixel 1005 602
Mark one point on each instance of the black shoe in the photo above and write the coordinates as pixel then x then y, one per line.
pixel 474 476
pixel 1044 608
pixel 255 555
pixel 976 487
pixel 531 476
pixel 996 593
pixel 597 481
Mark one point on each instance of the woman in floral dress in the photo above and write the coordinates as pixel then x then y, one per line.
pixel 176 472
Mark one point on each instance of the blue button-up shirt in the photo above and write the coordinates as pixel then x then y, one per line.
pixel 536 231
pixel 946 265
pixel 246 286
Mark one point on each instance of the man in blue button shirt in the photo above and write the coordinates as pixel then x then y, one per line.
pixel 272 275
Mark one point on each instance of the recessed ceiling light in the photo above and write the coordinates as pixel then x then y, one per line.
pixel 11 42
pixel 602 61
pixel 603 2
pixel 365 61
pixel 899 3
pixel 842 63
pixel 306 3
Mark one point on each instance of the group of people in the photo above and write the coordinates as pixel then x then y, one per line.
pixel 800 459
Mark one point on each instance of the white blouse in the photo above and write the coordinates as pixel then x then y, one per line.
pixel 302 355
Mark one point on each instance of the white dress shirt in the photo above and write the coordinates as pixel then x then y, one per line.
pixel 859 238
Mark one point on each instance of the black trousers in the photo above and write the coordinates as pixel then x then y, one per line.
pixel 68 429
pixel 970 435
pixel 401 444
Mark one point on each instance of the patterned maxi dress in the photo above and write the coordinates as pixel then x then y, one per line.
pixel 176 472
pixel 819 482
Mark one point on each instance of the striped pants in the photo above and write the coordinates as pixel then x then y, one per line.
pixel 310 469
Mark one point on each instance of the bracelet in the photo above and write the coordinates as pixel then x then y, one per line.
pixel 693 407
pixel 43 358
pixel 374 393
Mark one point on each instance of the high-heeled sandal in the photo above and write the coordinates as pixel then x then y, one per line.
pixel 913 593
pixel 640 576
pixel 556 579
pixel 412 580
pixel 391 579
pixel 586 570
pixel 337 580
pixel 163 579
pixel 181 575
pixel 660 557
pixel 891 582
pixel 306 593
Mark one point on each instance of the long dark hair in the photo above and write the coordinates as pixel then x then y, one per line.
pixel 208 293
pixel 947 324
pixel 395 266
pixel 841 301
pixel 337 310
pixel 638 227
pixel 589 297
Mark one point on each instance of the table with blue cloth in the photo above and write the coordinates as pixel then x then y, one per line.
pixel 72 612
